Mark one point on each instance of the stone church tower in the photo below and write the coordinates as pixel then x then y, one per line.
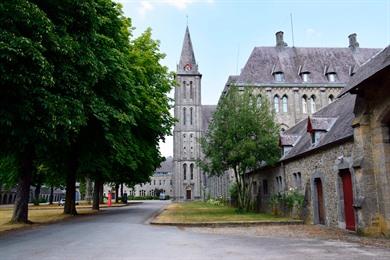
pixel 188 129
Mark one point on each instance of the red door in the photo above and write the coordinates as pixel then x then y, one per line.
pixel 320 205
pixel 348 200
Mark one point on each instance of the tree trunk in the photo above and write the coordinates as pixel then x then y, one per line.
pixel 20 214
pixel 122 191
pixel 37 192
pixel 116 193
pixel 96 195
pixel 101 197
pixel 70 200
pixel 51 197
pixel 88 190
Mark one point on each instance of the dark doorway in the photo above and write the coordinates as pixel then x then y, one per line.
pixel 348 199
pixel 188 195
pixel 320 201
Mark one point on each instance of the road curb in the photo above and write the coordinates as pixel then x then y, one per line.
pixel 229 224
pixel 155 215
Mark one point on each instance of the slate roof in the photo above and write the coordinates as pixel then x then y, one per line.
pixel 322 123
pixel 187 55
pixel 340 112
pixel 288 139
pixel 264 60
pixel 166 166
pixel 207 115
pixel 377 63
pixel 231 80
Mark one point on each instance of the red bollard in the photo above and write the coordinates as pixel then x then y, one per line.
pixel 109 199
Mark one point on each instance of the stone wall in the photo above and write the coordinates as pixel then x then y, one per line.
pixel 324 164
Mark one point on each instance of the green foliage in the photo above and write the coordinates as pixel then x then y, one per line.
pixel 217 202
pixel 8 171
pixel 242 136
pixel 287 203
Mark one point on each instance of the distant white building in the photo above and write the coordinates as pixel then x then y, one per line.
pixel 160 181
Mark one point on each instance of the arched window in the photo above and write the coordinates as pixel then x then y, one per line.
pixel 304 104
pixel 276 103
pixel 330 98
pixel 184 89
pixel 185 171
pixel 191 91
pixel 258 101
pixel 285 104
pixel 312 104
pixel 191 109
pixel 184 115
pixel 192 171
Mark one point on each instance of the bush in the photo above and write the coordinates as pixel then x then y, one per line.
pixel 220 201
pixel 289 203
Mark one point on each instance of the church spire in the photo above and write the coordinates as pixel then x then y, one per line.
pixel 187 62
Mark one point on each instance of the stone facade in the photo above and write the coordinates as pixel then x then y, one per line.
pixel 371 151
pixel 345 173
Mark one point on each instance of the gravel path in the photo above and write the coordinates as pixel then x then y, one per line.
pixel 299 232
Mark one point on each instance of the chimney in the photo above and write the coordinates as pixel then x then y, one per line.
pixel 279 39
pixel 353 44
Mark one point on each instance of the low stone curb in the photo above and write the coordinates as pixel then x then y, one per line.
pixel 229 224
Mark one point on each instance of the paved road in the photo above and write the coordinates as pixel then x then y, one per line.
pixel 121 233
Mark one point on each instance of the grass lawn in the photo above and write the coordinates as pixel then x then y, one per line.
pixel 202 212
pixel 39 215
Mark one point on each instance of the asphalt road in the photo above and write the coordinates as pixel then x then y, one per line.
pixel 122 233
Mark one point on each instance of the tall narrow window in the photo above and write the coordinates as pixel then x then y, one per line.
pixel 184 89
pixel 185 171
pixel 312 104
pixel 279 76
pixel 191 91
pixel 184 116
pixel 276 104
pixel 304 104
pixel 191 109
pixel 285 104
pixel 192 171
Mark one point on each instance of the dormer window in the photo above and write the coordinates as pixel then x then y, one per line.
pixel 279 76
pixel 319 126
pixel 305 76
pixel 331 76
pixel 286 149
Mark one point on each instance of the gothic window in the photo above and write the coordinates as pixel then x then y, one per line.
pixel 192 171
pixel 304 104
pixel 184 115
pixel 191 109
pixel 285 104
pixel 185 171
pixel 330 98
pixel 184 90
pixel 299 178
pixel 276 104
pixel 258 101
pixel 312 104
pixel 191 90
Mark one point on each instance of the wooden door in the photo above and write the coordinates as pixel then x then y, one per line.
pixel 348 200
pixel 188 194
pixel 320 202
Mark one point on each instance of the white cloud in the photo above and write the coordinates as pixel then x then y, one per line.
pixel 147 5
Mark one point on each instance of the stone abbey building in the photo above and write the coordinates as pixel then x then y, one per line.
pixel 297 82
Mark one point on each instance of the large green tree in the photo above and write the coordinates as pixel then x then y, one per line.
pixel 242 136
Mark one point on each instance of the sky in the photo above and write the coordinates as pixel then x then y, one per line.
pixel 224 32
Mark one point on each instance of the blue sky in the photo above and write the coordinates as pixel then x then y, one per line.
pixel 224 32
